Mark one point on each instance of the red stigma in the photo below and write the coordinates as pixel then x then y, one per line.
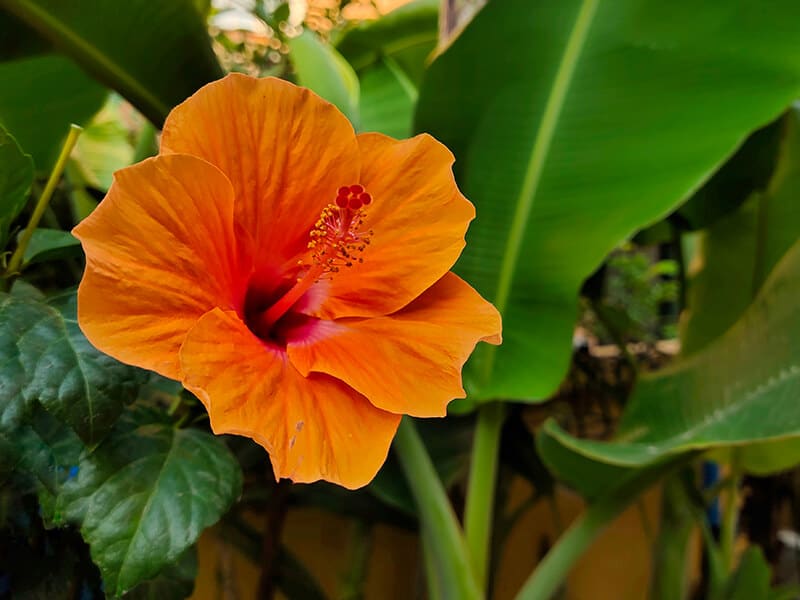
pixel 341 201
pixel 365 198
pixel 355 203
pixel 356 189
pixel 344 190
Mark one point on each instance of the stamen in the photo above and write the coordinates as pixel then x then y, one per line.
pixel 336 241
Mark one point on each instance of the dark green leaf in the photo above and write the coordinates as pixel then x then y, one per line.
pixel 175 582
pixel 601 118
pixel 747 171
pixel 153 53
pixel 46 358
pixel 322 69
pixel 41 96
pixel 51 244
pixel 145 495
pixel 738 252
pixel 16 176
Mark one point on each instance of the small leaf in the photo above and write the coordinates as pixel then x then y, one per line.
pixel 51 244
pixel 104 146
pixel 145 495
pixel 16 176
pixel 322 69
pixel 45 357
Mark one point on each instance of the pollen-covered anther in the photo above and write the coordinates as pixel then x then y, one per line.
pixel 338 236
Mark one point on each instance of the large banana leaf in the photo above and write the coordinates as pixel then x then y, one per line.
pixel 153 53
pixel 741 388
pixel 577 122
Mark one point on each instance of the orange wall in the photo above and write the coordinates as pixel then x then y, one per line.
pixel 617 567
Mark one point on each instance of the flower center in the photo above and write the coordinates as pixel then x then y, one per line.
pixel 336 241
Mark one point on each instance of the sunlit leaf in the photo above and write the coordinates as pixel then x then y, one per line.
pixel 104 146
pixel 321 68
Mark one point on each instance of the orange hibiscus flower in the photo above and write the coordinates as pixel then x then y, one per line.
pixel 290 273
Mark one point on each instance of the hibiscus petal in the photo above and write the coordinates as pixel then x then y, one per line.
pixel 285 150
pixel 409 362
pixel 419 219
pixel 313 428
pixel 161 252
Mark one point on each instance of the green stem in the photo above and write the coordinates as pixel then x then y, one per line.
pixel 448 552
pixel 16 258
pixel 353 582
pixel 479 509
pixel 553 570
pixel 730 517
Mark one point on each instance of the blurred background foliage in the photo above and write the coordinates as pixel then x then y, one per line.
pixel 636 171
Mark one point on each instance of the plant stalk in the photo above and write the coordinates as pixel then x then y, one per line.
pixel 479 508
pixel 55 175
pixel 546 579
pixel 730 516
pixel 441 531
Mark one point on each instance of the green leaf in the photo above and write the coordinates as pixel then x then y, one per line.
pixel 175 582
pixel 733 258
pixel 448 441
pixel 751 579
pixel 153 53
pixel 406 36
pixel 747 171
pixel 16 176
pixel 41 96
pixel 48 454
pixel 322 69
pixel 740 389
pixel 104 146
pixel 768 458
pixel 51 244
pixel 145 495
pixel 600 119
pixel 737 253
pixel 46 358
pixel 680 514
pixel 589 477
pixel 387 100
